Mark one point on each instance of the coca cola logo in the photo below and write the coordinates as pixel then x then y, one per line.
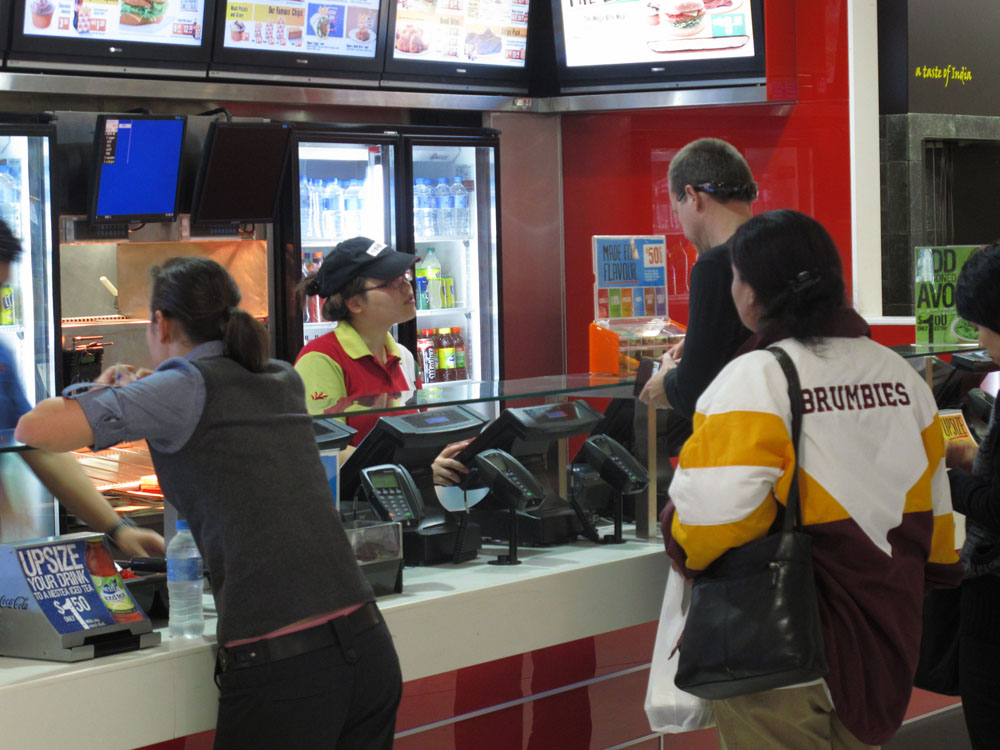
pixel 13 602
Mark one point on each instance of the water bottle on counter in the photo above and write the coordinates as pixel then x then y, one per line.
pixel 460 208
pixel 305 209
pixel 185 584
pixel 443 208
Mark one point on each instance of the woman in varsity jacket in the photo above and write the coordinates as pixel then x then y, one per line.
pixel 872 480
pixel 975 488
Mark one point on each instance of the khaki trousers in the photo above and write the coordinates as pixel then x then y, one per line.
pixel 791 719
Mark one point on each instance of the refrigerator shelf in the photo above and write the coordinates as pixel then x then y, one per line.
pixel 464 310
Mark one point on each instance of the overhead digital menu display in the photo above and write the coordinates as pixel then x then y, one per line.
pixel 347 28
pixel 622 32
pixel 484 32
pixel 174 22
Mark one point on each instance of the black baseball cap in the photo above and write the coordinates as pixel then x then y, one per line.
pixel 360 256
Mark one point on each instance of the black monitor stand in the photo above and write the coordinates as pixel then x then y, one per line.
pixel 439 537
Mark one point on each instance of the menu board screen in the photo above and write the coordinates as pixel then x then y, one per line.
pixel 345 28
pixel 175 22
pixel 617 32
pixel 484 32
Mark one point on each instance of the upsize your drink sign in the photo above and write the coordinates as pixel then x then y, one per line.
pixel 630 275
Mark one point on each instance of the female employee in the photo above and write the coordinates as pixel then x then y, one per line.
pixel 306 659
pixel 975 489
pixel 872 480
pixel 367 289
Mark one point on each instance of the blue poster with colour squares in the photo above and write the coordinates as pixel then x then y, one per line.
pixel 636 262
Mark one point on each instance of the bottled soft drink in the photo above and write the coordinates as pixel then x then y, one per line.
pixel 427 356
pixel 108 583
pixel 305 209
pixel 420 277
pixel 460 208
pixel 352 209
pixel 185 584
pixel 433 267
pixel 315 302
pixel 333 210
pixel 461 370
pixel 446 354
pixel 444 221
pixel 7 316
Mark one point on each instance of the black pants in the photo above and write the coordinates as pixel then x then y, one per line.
pixel 343 697
pixel 979 661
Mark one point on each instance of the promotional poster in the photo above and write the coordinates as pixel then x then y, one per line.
pixel 343 28
pixel 630 274
pixel 176 22
pixel 484 32
pixel 619 32
pixel 937 270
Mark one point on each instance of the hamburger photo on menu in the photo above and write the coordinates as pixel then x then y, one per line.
pixel 684 17
pixel 140 12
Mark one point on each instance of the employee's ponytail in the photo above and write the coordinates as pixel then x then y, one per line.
pixel 200 294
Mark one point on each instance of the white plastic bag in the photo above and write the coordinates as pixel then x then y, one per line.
pixel 670 709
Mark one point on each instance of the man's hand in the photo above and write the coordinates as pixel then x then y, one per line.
pixel 447 471
pixel 140 542
pixel 676 351
pixel 653 393
pixel 960 455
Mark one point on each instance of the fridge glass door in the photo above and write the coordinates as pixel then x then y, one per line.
pixel 27 327
pixel 455 235
pixel 345 190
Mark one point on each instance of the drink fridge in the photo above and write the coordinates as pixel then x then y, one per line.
pixel 429 191
pixel 28 311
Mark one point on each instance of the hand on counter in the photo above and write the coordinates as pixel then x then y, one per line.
pixel 140 542
pixel 653 393
pixel 448 471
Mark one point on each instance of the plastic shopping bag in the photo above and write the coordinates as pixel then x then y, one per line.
pixel 670 709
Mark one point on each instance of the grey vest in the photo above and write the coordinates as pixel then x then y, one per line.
pixel 251 485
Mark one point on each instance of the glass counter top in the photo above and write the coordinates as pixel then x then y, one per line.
pixel 912 351
pixel 451 394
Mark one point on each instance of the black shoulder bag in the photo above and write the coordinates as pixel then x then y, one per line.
pixel 753 623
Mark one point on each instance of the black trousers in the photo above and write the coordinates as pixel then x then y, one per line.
pixel 979 661
pixel 342 697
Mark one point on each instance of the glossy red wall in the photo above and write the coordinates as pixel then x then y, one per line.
pixel 615 164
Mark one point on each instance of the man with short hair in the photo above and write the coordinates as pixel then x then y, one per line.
pixel 711 189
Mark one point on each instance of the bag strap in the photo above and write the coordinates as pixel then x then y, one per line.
pixel 793 507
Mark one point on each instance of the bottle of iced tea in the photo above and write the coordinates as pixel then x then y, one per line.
pixel 446 354
pixel 461 370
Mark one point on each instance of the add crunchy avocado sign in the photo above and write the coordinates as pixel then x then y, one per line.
pixel 937 271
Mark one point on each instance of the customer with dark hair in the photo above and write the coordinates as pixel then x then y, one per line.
pixel 59 472
pixel 871 477
pixel 368 289
pixel 711 189
pixel 975 489
pixel 305 658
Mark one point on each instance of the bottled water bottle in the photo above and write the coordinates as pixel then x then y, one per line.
pixel 185 584
pixel 423 220
pixel 305 209
pixel 352 209
pixel 460 208
pixel 443 212
pixel 333 210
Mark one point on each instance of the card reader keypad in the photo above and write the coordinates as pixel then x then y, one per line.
pixel 396 505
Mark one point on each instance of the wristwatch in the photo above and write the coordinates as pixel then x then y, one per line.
pixel 122 522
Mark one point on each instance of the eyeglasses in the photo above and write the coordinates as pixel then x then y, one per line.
pixel 400 282
pixel 722 190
